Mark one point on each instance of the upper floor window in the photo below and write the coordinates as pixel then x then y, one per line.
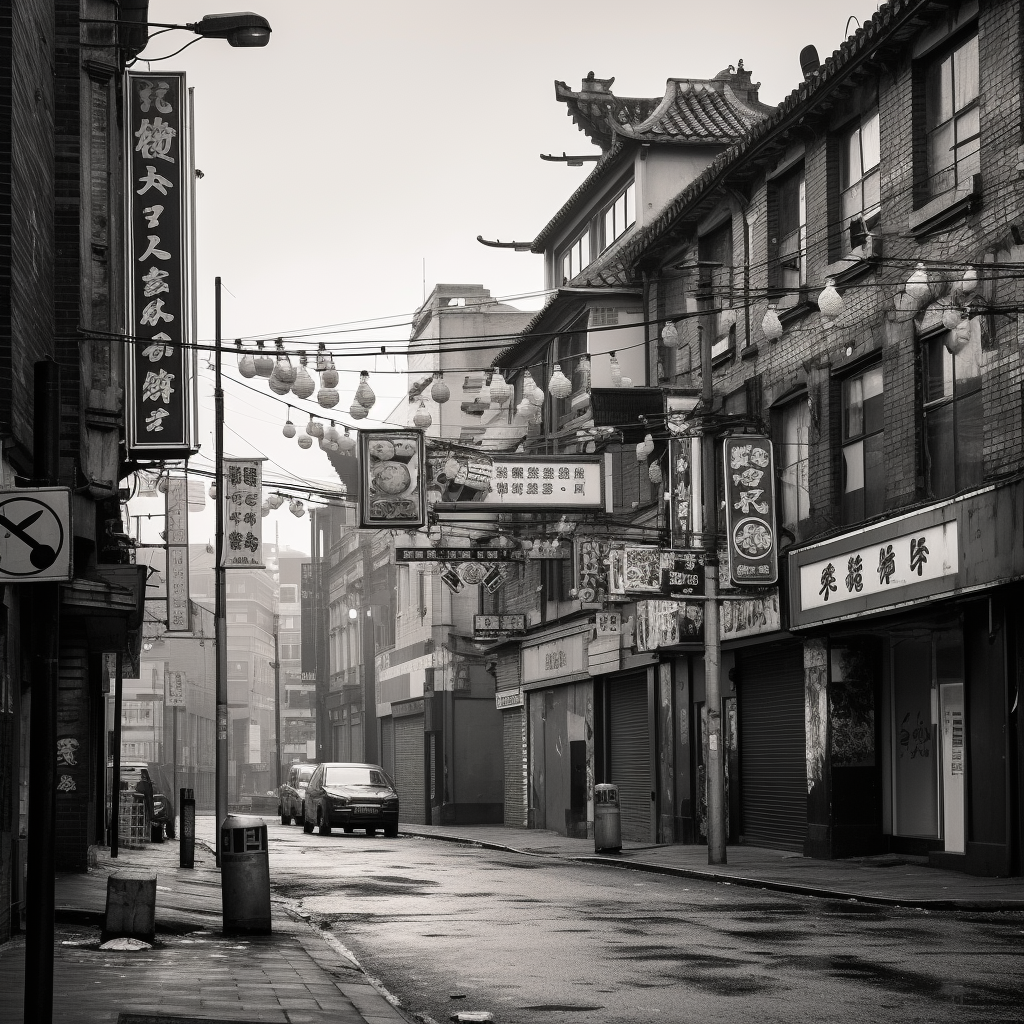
pixel 952 117
pixel 953 426
pixel 793 463
pixel 788 269
pixel 289 593
pixel 860 177
pixel 863 469
pixel 576 257
pixel 621 215
pixel 714 283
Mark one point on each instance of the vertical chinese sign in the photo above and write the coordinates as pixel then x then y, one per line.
pixel 750 510
pixel 179 619
pixel 242 490
pixel 391 464
pixel 160 379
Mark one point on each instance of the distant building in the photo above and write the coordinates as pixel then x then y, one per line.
pixel 297 694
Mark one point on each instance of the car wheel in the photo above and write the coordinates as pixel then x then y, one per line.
pixel 325 825
pixel 391 831
pixel 307 826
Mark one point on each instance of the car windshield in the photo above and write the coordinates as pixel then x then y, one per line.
pixel 304 774
pixel 354 776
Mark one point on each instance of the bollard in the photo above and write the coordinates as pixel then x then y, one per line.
pixel 131 905
pixel 187 829
pixel 245 874
pixel 607 819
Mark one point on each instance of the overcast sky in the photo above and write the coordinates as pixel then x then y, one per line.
pixel 367 139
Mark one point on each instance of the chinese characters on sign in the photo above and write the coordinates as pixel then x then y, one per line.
pixel 404 555
pixel 242 490
pixel 174 696
pixel 750 510
pixel 160 374
pixel 493 626
pixel 569 481
pixel 179 618
pixel 888 567
pixel 592 556
pixel 392 488
pixel 682 574
pixel 664 623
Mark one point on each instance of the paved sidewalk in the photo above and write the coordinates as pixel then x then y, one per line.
pixel 891 879
pixel 295 975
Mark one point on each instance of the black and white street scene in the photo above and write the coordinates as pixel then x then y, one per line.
pixel 511 513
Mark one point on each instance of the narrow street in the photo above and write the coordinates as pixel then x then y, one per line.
pixel 448 927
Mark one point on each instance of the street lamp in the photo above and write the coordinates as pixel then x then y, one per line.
pixel 242 28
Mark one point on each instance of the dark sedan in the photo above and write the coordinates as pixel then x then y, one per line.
pixel 350 796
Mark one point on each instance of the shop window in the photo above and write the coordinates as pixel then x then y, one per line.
pixel 621 215
pixel 576 257
pixel 793 463
pixel 863 472
pixel 788 256
pixel 953 431
pixel 952 127
pixel 860 178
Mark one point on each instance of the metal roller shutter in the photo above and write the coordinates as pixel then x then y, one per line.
pixel 409 775
pixel 515 767
pixel 387 745
pixel 773 770
pixel 631 756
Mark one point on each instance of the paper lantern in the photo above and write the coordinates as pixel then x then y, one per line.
pixel 278 386
pixel 655 473
pixel 970 281
pixel 537 396
pixel 329 398
pixel 830 302
pixel 358 411
pixel 616 371
pixel 364 393
pixel 288 429
pixel 583 373
pixel 559 385
pixel 296 508
pixel 264 364
pixel 213 490
pixel 314 428
pixel 500 391
pixel 649 445
pixel 304 385
pixel 162 484
pixel 439 391
pixel 670 336
pixel 275 500
pixel 264 510
pixel 346 443
pixel 284 370
pixel 641 452
pixel 305 441
pixel 422 418
pixel 331 433
pixel 951 317
pixel 771 325
pixel 246 365
pixel 918 287
pixel 329 377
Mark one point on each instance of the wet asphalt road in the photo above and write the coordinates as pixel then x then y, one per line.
pixel 539 940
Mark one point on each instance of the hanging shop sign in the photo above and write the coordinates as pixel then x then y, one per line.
pixel 664 623
pixel 749 616
pixel 392 482
pixel 682 574
pixel 174 690
pixel 404 555
pixel 35 535
pixel 451 578
pixel 505 699
pixel 592 555
pixel 564 656
pixel 750 510
pixel 489 627
pixel 641 569
pixel 160 376
pixel 569 482
pixel 242 493
pixel 608 624
pixel 495 579
pixel 684 490
pixel 179 617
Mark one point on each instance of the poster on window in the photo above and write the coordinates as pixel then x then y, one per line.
pixel 242 494
pixel 750 510
pixel 160 377
pixel 391 464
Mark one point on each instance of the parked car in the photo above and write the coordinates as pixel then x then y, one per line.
pixel 350 796
pixel 136 775
pixel 292 793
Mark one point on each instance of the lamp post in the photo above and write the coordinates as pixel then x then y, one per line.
pixel 220 621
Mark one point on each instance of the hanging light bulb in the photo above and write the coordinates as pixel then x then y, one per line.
pixel 264 510
pixel 500 391
pixel 275 500
pixel 289 428
pixel 641 452
pixel 422 418
pixel 439 391
pixel 304 385
pixel 296 508
pixel 670 336
pixel 284 369
pixel 616 372
pixel 951 317
pixel 771 325
pixel 830 302
pixel 246 363
pixel 264 364
pixel 918 287
pixel 357 411
pixel 305 441
pixel 331 433
pixel 537 396
pixel 559 386
pixel 649 445
pixel 364 393
pixel 278 386
pixel 213 489
pixel 583 372
pixel 654 472
pixel 329 375
pixel 346 443
pixel 314 428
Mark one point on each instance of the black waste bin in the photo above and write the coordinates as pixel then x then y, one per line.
pixel 187 829
pixel 245 874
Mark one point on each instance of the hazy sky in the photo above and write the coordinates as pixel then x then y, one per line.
pixel 368 138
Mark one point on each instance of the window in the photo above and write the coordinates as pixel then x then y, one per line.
pixel 952 412
pixel 863 469
pixel 576 257
pixel 621 215
pixel 714 284
pixel 860 177
pixel 289 593
pixel 952 111
pixel 789 268
pixel 793 468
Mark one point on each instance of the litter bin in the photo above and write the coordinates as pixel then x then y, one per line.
pixel 245 874
pixel 607 819
pixel 187 829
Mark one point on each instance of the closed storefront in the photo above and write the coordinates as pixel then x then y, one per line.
pixel 773 770
pixel 410 777
pixel 513 742
pixel 387 745
pixel 630 754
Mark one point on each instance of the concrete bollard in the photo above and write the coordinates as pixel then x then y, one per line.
pixel 131 905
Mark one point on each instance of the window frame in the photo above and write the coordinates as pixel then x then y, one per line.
pixel 793 401
pixel 848 441
pixel 787 291
pixel 570 249
pixel 628 197
pixel 870 215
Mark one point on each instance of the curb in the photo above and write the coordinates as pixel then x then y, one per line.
pixel 792 888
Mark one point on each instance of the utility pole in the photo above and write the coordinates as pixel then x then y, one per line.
pixel 277 681
pixel 220 624
pixel 712 639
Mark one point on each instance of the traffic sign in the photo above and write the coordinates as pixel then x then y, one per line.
pixel 35 535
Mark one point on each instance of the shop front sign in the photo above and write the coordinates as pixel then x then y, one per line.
pixel 406 555
pixel 665 623
pixel 750 510
pixel 242 494
pixel 749 616
pixel 565 656
pixel 493 626
pixel 391 492
pixel 179 617
pixel 504 699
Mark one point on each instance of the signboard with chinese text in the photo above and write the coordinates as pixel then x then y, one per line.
pixel 749 616
pixel 684 487
pixel 403 555
pixel 242 490
pixel 665 623
pixel 495 626
pixel 682 574
pixel 307 648
pixel 750 510
pixel 160 378
pixel 179 617
pixel 608 624
pixel 174 690
pixel 539 482
pixel 565 656
pixel 391 465
pixel 592 557
pixel 641 570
